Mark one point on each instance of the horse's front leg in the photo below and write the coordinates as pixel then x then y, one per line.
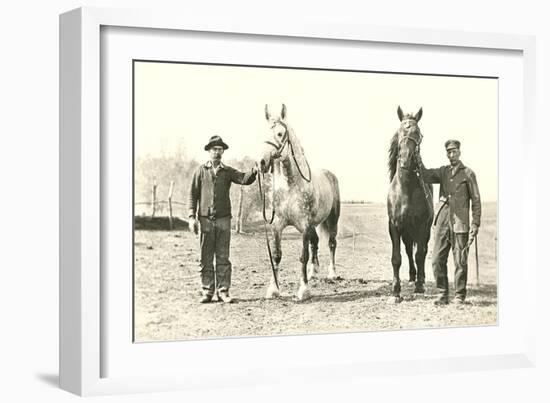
pixel 396 263
pixel 412 268
pixel 277 254
pixel 420 257
pixel 304 292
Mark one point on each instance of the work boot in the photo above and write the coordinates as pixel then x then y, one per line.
pixel 224 297
pixel 205 299
pixel 458 300
pixel 441 300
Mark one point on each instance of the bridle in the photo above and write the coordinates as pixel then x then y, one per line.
pixel 417 169
pixel 417 142
pixel 281 146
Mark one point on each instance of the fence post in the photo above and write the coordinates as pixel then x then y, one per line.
pixel 240 212
pixel 353 249
pixel 154 197
pixel 170 192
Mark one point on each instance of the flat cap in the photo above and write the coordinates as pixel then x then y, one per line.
pixel 452 144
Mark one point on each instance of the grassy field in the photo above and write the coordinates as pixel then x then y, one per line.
pixel 167 285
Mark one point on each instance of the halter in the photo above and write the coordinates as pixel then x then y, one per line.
pixel 417 143
pixel 417 170
pixel 280 147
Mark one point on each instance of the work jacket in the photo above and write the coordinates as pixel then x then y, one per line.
pixel 456 192
pixel 209 191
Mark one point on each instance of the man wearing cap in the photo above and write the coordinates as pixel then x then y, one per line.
pixel 209 202
pixel 458 189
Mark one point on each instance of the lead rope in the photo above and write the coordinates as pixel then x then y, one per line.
pixel 262 196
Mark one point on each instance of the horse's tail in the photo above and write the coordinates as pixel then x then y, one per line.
pixel 330 225
pixel 335 187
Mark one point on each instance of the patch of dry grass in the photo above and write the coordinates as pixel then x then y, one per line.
pixel 167 285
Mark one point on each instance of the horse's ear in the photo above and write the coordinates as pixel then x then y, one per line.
pixel 267 115
pixel 283 112
pixel 399 113
pixel 418 115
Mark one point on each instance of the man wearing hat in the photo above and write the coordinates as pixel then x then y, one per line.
pixel 458 190
pixel 209 202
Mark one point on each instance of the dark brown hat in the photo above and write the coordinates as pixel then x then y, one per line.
pixel 215 141
pixel 452 144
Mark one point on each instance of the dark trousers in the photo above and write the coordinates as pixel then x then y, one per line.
pixel 445 239
pixel 215 236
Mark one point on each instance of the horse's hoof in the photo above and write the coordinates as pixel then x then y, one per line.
pixel 419 289
pixel 272 292
pixel 395 299
pixel 313 272
pixel 303 293
pixel 332 274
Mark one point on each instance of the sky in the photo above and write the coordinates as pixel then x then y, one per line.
pixel 344 120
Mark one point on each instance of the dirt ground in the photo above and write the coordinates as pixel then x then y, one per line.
pixel 167 285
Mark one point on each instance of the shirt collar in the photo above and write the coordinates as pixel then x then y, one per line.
pixel 209 165
pixel 459 166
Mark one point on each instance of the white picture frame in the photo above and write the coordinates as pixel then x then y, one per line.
pixel 82 305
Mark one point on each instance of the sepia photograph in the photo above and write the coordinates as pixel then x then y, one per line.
pixel 273 201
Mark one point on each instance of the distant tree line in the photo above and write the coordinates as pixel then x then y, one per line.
pixel 355 202
pixel 161 170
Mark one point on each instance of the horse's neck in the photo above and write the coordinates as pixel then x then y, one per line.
pixel 287 174
pixel 288 170
pixel 406 180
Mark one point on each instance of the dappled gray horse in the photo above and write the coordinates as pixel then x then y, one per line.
pixel 302 198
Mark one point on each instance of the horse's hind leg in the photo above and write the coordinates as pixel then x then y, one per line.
pixel 314 242
pixel 396 263
pixel 330 226
pixel 332 265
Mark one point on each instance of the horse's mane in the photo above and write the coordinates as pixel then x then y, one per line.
pixel 296 143
pixel 299 160
pixel 393 155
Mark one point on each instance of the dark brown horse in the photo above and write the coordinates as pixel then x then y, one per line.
pixel 410 203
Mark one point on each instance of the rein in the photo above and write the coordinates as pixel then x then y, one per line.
pixel 266 221
pixel 262 195
pixel 298 166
